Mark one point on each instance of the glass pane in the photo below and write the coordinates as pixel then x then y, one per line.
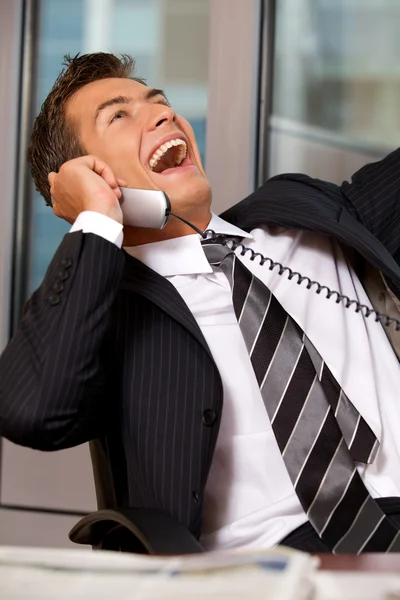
pixel 337 67
pixel 169 41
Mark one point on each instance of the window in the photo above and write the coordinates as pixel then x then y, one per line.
pixel 169 40
pixel 336 85
pixel 337 67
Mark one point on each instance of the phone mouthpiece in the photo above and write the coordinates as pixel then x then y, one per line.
pixel 145 208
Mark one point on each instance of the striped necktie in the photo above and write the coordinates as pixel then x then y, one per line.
pixel 318 430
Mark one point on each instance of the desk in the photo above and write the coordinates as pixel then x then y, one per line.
pixel 364 577
pixel 45 574
pixel 389 563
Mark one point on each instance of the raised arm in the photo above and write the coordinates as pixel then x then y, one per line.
pixel 374 192
pixel 53 374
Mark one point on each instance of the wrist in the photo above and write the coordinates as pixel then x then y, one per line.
pixel 114 213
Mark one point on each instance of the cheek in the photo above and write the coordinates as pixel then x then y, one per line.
pixel 128 168
pixel 123 158
pixel 187 130
pixel 105 149
pixel 121 154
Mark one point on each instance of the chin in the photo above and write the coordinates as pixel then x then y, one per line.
pixel 192 199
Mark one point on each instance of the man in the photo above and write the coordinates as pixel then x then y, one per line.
pixel 252 409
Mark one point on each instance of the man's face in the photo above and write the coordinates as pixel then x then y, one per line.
pixel 133 129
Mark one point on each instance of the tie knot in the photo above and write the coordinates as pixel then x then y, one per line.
pixel 215 252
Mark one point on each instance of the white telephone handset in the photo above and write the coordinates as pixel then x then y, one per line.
pixel 145 208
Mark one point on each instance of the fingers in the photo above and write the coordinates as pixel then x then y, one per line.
pixel 118 192
pixel 102 169
pixel 50 178
pixel 97 166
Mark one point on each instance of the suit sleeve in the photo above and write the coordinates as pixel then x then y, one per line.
pixel 372 197
pixel 374 193
pixel 54 390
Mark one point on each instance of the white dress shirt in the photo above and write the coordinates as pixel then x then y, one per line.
pixel 249 498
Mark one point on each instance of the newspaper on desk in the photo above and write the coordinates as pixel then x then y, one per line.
pixel 279 574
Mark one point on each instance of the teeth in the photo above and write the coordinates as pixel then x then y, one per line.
pixel 165 147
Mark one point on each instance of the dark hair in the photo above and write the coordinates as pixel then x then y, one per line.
pixel 54 140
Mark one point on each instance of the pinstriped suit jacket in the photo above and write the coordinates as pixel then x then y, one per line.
pixel 107 347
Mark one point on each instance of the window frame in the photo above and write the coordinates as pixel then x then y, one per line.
pixel 13 24
pixel 11 31
pixel 234 99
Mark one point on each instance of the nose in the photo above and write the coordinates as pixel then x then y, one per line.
pixel 162 115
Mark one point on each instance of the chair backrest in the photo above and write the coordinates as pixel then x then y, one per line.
pixel 116 526
pixel 102 473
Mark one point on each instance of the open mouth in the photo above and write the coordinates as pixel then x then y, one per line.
pixel 169 155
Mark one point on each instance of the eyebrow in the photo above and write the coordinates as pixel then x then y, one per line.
pixel 150 93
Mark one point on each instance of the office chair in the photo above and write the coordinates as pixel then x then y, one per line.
pixel 139 530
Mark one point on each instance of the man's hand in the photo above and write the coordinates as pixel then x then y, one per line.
pixel 85 183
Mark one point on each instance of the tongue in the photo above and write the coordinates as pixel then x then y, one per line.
pixel 166 162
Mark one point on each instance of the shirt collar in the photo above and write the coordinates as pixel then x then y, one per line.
pixel 183 255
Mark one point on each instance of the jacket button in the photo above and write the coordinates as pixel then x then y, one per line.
pixel 66 262
pixel 209 417
pixel 58 287
pixel 63 275
pixel 54 299
pixel 196 497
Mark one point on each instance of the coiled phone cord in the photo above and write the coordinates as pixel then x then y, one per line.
pixel 230 242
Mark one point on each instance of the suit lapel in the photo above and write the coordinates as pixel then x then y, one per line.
pixel 142 280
